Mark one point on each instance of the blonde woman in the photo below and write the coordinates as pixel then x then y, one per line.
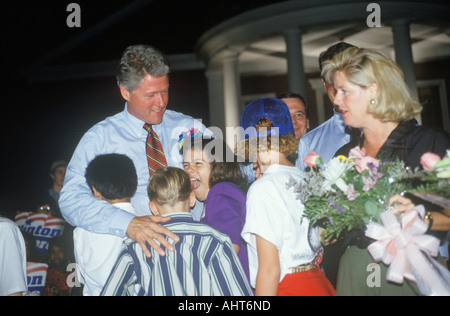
pixel 372 95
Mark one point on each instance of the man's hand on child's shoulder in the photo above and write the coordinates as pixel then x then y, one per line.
pixel 146 229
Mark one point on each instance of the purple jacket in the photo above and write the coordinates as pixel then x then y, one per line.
pixel 225 210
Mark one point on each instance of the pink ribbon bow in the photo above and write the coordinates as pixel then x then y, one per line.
pixel 404 246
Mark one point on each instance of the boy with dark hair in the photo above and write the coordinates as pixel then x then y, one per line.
pixel 204 262
pixel 112 178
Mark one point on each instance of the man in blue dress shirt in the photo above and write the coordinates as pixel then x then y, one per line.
pixel 143 79
pixel 331 135
pixel 326 140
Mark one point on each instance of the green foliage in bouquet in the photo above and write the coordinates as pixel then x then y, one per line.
pixel 349 193
pixel 436 178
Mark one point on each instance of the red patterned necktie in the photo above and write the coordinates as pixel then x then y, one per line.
pixel 155 153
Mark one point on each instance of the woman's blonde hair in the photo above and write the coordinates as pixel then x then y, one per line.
pixel 364 67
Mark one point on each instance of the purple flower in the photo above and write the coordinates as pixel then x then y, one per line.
pixel 331 222
pixel 336 207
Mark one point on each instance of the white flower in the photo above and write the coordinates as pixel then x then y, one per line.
pixel 333 173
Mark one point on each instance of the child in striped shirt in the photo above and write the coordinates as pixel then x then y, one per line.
pixel 204 262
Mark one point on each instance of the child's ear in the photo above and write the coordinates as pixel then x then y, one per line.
pixel 153 208
pixel 192 199
pixel 97 194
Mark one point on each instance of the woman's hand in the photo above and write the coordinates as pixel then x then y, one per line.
pixel 441 220
pixel 403 204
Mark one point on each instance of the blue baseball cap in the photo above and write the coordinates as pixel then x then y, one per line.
pixel 275 110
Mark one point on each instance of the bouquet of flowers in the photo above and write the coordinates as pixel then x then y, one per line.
pixel 349 193
pixel 436 178
pixel 352 194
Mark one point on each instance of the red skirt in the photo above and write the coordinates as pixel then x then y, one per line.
pixel 309 283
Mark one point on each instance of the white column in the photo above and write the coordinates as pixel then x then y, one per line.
pixel 232 90
pixel 296 71
pixel 317 85
pixel 216 98
pixel 404 55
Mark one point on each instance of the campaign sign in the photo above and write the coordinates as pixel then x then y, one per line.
pixel 42 226
pixel 36 276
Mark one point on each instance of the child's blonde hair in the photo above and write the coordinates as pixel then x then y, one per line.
pixel 168 186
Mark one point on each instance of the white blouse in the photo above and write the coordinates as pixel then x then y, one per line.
pixel 275 214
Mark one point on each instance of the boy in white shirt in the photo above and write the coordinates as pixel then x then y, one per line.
pixel 112 178
pixel 284 251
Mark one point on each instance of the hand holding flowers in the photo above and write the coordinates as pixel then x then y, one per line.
pixel 356 195
pixel 348 194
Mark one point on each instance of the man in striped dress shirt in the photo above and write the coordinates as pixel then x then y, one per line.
pixel 204 262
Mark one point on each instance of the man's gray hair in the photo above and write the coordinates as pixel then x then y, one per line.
pixel 139 61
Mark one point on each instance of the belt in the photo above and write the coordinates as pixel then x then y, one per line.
pixel 309 266
pixel 303 268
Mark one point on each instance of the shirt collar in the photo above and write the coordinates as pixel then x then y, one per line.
pixel 135 124
pixel 126 206
pixel 276 168
pixel 179 217
pixel 339 120
pixel 178 214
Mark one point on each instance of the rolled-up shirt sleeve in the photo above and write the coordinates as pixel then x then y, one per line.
pixel 78 205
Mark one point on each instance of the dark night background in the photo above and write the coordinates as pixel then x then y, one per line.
pixel 43 121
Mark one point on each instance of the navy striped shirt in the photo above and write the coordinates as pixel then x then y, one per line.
pixel 204 263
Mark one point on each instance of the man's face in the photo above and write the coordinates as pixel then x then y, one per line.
pixel 148 102
pixel 56 256
pixel 298 115
pixel 58 175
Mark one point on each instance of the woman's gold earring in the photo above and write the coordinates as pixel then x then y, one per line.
pixel 372 101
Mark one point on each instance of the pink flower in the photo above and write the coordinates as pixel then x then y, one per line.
pixel 358 152
pixel 362 161
pixel 428 161
pixel 312 159
pixel 369 183
pixel 351 193
pixel 366 163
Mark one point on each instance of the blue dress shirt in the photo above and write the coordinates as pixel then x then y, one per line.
pixel 325 140
pixel 124 134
